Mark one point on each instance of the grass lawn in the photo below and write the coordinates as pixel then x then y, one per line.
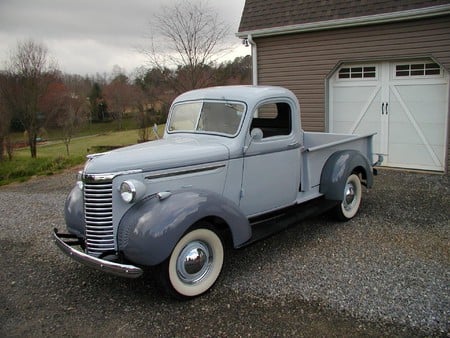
pixel 86 130
pixel 52 156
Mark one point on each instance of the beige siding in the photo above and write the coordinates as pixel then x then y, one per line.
pixel 302 62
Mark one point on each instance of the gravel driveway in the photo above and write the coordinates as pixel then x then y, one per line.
pixel 387 272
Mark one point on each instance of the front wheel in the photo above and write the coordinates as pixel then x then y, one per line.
pixel 194 265
pixel 351 201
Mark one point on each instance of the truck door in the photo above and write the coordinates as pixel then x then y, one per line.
pixel 271 173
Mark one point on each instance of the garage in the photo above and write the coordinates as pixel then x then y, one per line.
pixel 381 68
pixel 405 102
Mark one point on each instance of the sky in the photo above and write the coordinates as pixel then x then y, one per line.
pixel 93 36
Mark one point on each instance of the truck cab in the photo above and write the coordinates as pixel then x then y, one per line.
pixel 262 135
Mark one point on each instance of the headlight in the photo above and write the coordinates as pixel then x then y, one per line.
pixel 132 190
pixel 128 191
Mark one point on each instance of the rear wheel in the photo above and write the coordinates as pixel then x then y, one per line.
pixel 194 265
pixel 351 201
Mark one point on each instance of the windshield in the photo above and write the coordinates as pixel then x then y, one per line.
pixel 204 116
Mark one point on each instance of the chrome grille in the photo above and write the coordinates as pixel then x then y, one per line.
pixel 99 217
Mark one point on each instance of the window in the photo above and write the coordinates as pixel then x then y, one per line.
pixel 360 72
pixel 207 117
pixel 417 69
pixel 273 119
pixel 184 116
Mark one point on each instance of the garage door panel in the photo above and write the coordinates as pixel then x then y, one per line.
pixel 411 109
pixel 357 93
pixel 408 113
pixel 434 134
pixel 352 113
pixel 349 111
pixel 406 134
pixel 401 133
pixel 440 152
pixel 422 92
pixel 369 128
pixel 427 104
pixel 403 155
pixel 342 127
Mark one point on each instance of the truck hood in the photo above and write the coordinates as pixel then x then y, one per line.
pixel 158 155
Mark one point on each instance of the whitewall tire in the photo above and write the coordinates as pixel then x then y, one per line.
pixel 194 264
pixel 351 201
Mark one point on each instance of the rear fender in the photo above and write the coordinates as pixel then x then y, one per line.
pixel 149 230
pixel 339 166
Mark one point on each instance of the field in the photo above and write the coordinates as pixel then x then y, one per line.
pixel 52 156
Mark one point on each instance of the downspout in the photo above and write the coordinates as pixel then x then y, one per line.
pixel 254 60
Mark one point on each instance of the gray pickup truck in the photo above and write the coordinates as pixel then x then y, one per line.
pixel 232 167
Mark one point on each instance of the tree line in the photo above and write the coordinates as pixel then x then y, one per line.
pixel 35 95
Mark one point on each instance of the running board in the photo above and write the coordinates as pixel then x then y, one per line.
pixel 268 225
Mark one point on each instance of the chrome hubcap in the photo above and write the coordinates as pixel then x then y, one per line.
pixel 194 262
pixel 349 196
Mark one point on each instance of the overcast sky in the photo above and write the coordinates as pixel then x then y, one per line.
pixel 91 36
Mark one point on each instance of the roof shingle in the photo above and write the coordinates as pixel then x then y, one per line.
pixel 260 14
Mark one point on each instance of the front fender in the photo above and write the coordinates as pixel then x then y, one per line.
pixel 338 167
pixel 74 212
pixel 149 230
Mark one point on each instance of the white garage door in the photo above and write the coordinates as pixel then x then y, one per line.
pixel 405 103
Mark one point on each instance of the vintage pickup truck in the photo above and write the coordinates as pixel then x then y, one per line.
pixel 233 165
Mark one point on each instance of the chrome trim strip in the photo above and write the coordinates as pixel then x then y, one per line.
pixel 108 176
pixel 184 172
pixel 122 270
pixel 99 201
pixel 91 156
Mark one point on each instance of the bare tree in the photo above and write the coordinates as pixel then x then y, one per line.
pixel 188 35
pixel 142 114
pixel 153 95
pixel 70 105
pixel 119 96
pixel 5 122
pixel 28 75
pixel 74 116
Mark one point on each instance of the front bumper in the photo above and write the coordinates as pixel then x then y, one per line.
pixel 122 270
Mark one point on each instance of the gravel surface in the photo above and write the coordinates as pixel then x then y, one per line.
pixel 385 273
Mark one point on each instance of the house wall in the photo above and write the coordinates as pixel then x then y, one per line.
pixel 302 62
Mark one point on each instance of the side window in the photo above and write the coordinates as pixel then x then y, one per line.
pixel 274 119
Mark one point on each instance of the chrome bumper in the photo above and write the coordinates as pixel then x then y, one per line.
pixel 122 270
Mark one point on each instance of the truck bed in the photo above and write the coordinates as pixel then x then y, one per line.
pixel 318 147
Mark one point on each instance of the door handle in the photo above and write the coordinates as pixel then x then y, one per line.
pixel 384 109
pixel 293 145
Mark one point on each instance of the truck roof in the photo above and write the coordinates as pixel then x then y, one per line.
pixel 248 94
